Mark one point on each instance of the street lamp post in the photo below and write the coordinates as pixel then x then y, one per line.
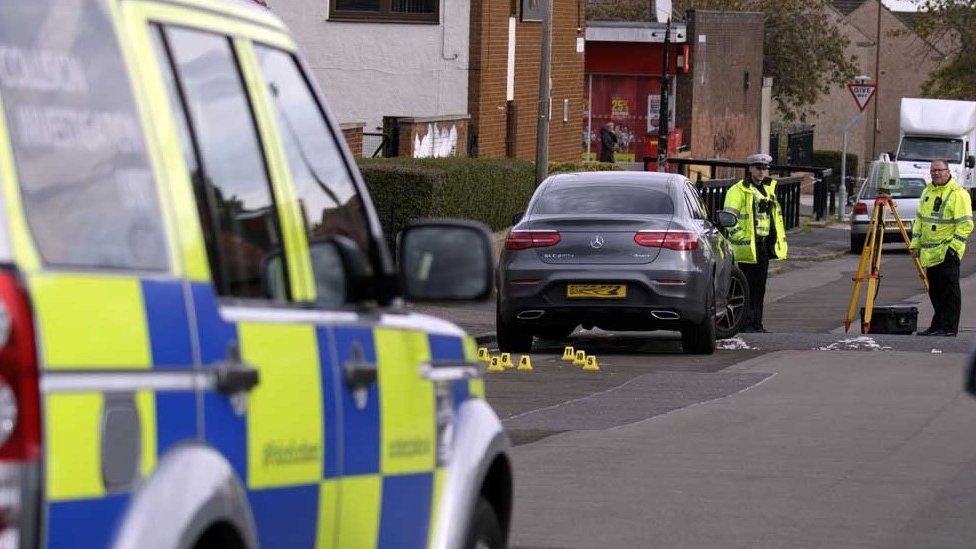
pixel 663 122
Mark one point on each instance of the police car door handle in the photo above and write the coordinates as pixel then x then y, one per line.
pixel 358 371
pixel 233 375
pixel 235 379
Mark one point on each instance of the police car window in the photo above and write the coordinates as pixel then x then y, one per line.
pixel 87 187
pixel 327 195
pixel 232 187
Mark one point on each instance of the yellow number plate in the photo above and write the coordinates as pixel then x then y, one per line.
pixel 597 291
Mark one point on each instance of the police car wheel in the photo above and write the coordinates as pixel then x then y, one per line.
pixel 485 531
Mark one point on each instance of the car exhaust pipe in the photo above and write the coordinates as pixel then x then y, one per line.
pixel 530 315
pixel 665 315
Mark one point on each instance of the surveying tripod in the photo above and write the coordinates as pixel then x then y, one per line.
pixel 871 259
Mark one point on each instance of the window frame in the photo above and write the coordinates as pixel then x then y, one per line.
pixel 385 14
pixel 216 277
pixel 336 139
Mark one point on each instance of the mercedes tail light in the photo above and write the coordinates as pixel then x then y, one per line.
pixel 20 421
pixel 681 241
pixel 521 240
pixel 860 208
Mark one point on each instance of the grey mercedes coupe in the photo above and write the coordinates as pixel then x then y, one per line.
pixel 621 251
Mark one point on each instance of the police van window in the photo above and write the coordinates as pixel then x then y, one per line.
pixel 88 191
pixel 230 178
pixel 326 193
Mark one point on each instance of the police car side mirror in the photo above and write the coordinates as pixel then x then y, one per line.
pixel 343 272
pixel 726 219
pixel 971 161
pixel 445 260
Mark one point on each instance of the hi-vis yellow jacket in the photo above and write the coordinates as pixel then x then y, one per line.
pixel 742 200
pixel 944 220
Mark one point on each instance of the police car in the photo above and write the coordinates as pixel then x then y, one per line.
pixel 203 341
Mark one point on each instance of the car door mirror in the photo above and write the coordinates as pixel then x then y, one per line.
pixel 726 219
pixel 343 273
pixel 445 260
pixel 517 217
pixel 971 161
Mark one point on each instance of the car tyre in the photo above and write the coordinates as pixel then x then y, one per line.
pixel 485 531
pixel 857 243
pixel 511 338
pixel 730 321
pixel 699 339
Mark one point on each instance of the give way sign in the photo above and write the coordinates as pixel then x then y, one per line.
pixel 862 93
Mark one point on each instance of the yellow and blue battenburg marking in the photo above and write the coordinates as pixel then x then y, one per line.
pixel 107 323
pixel 322 465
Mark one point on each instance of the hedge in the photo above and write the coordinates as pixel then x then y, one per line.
pixel 831 159
pixel 486 190
pixel 563 167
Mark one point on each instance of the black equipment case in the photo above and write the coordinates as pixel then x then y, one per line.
pixel 893 319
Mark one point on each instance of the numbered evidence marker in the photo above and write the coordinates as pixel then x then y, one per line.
pixel 525 364
pixel 495 365
pixel 580 359
pixel 569 355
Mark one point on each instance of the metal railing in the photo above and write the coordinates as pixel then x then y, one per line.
pixel 374 144
pixel 713 194
pixel 821 193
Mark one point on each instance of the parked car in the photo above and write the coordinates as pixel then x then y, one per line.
pixel 622 251
pixel 204 341
pixel 905 196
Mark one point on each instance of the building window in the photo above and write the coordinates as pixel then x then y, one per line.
pixel 531 10
pixel 394 11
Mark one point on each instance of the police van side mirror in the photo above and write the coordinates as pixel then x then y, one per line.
pixel 343 273
pixel 445 260
pixel 971 161
pixel 726 219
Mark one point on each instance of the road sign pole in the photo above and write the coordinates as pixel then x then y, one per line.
pixel 862 93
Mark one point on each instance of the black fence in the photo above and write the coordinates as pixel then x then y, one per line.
pixel 787 191
pixel 374 144
pixel 790 201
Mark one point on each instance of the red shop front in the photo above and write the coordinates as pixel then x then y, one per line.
pixel 623 86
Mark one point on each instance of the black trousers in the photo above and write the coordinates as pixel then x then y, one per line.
pixel 944 293
pixel 756 274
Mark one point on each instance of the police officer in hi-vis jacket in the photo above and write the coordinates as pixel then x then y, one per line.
pixel 760 234
pixel 942 226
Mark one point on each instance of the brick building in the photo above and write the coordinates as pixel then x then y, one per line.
pixel 503 85
pixel 904 63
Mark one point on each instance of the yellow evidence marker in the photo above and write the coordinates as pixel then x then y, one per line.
pixel 495 365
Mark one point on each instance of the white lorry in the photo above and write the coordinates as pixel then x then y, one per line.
pixel 938 128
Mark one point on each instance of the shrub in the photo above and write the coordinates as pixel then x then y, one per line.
pixel 488 190
pixel 564 167
pixel 831 159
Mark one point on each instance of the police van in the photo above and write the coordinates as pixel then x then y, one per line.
pixel 203 338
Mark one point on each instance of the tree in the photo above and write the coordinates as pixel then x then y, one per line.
pixel 951 24
pixel 804 51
